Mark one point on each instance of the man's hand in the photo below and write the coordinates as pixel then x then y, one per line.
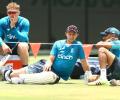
pixel 6 49
pixel 93 78
pixel 13 21
pixel 47 66
pixel 99 44
pixel 104 44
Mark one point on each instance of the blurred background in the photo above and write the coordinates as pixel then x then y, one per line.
pixel 49 18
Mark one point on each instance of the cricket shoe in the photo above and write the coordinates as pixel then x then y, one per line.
pixel 16 80
pixel 7 75
pixel 115 82
pixel 3 71
pixel 5 68
pixel 98 82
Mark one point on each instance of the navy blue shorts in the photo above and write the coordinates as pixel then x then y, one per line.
pixel 114 70
pixel 14 46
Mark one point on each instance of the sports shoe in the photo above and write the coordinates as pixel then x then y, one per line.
pixel 16 80
pixel 7 75
pixel 115 82
pixel 98 82
pixel 5 68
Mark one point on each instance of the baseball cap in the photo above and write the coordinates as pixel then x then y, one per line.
pixel 72 28
pixel 112 30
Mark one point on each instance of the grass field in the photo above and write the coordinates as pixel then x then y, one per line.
pixel 65 90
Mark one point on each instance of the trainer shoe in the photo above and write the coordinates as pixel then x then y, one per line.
pixel 16 80
pixel 7 75
pixel 115 82
pixel 98 82
pixel 5 68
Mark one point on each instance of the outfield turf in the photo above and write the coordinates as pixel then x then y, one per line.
pixel 65 90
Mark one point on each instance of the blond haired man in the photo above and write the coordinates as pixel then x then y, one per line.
pixel 13 29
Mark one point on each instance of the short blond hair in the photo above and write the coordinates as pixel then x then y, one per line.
pixel 13 5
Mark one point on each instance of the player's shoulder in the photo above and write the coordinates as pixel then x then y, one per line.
pixel 23 19
pixel 60 41
pixel 4 19
pixel 78 42
pixel 115 42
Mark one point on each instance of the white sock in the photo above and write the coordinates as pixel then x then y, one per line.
pixel 88 73
pixel 103 73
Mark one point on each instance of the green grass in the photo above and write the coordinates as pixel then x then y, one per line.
pixel 33 59
pixel 65 90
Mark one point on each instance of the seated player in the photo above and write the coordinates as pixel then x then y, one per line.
pixel 109 56
pixel 60 64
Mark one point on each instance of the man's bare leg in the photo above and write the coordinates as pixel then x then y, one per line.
pixel 23 52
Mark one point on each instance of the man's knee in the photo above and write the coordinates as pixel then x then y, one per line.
pixel 1 51
pixel 23 46
pixel 102 50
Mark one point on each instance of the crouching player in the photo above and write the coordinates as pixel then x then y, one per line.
pixel 62 59
pixel 109 57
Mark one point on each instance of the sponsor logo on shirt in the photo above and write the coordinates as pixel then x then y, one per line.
pixel 10 36
pixel 67 57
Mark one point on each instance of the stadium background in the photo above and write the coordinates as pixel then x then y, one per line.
pixel 49 18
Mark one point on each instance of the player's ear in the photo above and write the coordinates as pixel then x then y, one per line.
pixel 18 12
pixel 65 33
pixel 77 35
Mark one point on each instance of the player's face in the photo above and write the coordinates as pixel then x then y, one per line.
pixel 71 36
pixel 106 37
pixel 13 14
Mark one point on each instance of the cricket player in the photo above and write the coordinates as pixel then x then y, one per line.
pixel 14 28
pixel 109 57
pixel 60 64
